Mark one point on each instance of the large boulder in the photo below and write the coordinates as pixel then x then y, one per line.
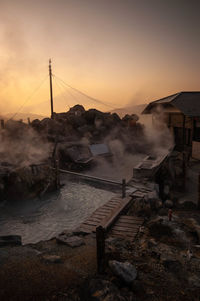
pixel 71 241
pixel 141 206
pixel 124 270
pixel 158 229
pixel 92 114
pixel 77 110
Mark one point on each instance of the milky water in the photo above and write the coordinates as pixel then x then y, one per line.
pixel 38 220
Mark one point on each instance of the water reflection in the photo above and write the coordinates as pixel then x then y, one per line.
pixel 43 219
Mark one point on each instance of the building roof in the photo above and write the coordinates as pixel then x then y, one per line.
pixel 186 102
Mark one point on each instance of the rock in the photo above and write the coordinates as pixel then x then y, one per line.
pixel 71 241
pixel 163 212
pixel 194 281
pixel 172 265
pixel 152 243
pixel 52 258
pixel 158 230
pixel 194 229
pixel 187 205
pixel 10 240
pixel 124 270
pixel 141 207
pixel 101 290
pixel 155 204
pixel 138 287
pixel 169 204
pixel 76 110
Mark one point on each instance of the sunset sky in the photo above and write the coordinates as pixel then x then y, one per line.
pixel 123 52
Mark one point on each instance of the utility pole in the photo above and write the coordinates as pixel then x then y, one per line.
pixel 51 88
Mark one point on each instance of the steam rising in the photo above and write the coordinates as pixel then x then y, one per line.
pixel 128 150
pixel 21 146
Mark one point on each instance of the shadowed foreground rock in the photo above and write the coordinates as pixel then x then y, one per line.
pixel 124 270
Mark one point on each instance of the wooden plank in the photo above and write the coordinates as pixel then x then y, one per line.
pixel 105 210
pixel 122 218
pixel 122 234
pixel 99 214
pixel 114 202
pixel 90 223
pixel 88 229
pixel 133 229
pixel 115 198
pixel 93 219
pixel 102 211
pixel 129 221
pixel 110 205
pixel 127 226
pixel 132 217
pixel 116 213
pixel 125 229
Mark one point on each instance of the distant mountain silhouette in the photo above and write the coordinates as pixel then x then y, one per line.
pixel 24 116
pixel 137 109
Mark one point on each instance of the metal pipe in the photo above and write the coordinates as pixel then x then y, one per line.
pixel 89 177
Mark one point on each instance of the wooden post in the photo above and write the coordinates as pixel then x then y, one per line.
pixel 100 245
pixel 198 205
pixel 51 89
pixel 183 133
pixel 57 174
pixel 123 188
pixel 2 124
pixel 29 121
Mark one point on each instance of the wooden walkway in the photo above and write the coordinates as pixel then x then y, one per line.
pixel 126 227
pixel 110 213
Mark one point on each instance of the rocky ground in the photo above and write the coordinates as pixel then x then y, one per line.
pixel 163 263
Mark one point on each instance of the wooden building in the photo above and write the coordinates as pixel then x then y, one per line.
pixel 181 113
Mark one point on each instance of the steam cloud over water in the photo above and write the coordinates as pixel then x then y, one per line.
pixel 155 140
pixel 21 146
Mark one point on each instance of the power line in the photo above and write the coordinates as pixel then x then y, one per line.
pixel 30 96
pixel 66 90
pixel 84 94
pixel 61 93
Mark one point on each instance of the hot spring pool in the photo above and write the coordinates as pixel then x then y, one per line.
pixel 43 219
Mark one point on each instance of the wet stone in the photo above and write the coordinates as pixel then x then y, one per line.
pixel 71 241
pixel 52 258
pixel 124 270
pixel 101 290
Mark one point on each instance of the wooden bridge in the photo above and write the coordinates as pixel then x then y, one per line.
pixel 109 220
pixel 111 217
